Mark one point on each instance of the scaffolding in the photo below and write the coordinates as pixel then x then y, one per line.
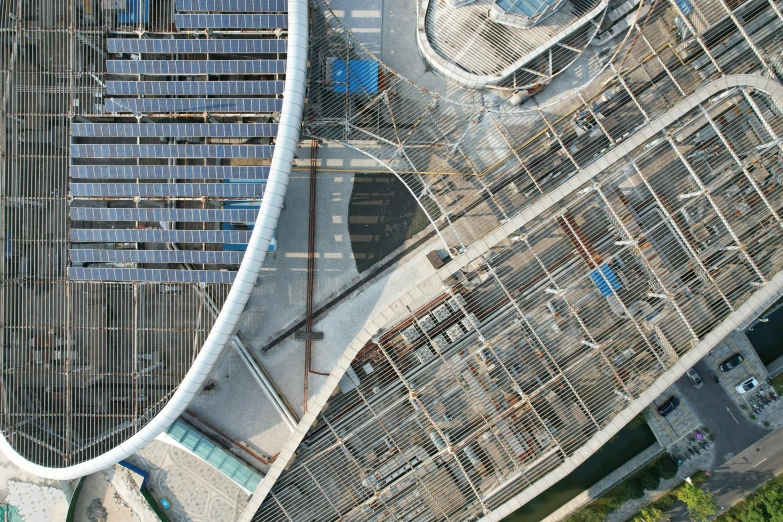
pixel 588 280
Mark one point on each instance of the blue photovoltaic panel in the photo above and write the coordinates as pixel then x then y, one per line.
pixel 171 151
pixel 173 130
pixel 228 6
pixel 231 21
pixel 168 46
pixel 150 275
pixel 181 215
pixel 186 67
pixel 168 172
pixel 163 190
pixel 212 257
pixel 254 105
pixel 154 235
pixel 237 88
pixel 606 283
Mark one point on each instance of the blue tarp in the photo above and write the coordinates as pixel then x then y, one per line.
pixel 355 76
pixel 602 280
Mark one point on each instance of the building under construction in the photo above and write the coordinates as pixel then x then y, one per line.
pixel 589 251
pixel 593 250
pixel 138 142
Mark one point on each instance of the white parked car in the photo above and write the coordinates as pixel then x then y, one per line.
pixel 746 385
pixel 695 378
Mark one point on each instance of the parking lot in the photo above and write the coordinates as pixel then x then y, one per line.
pixel 751 367
pixel 675 425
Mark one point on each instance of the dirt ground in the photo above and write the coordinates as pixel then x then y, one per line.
pixel 99 502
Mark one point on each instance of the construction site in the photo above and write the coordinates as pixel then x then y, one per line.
pixel 582 251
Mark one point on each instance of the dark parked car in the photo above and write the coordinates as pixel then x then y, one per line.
pixel 731 362
pixel 669 406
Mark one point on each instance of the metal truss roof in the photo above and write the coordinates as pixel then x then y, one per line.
pixel 605 237
pixel 128 198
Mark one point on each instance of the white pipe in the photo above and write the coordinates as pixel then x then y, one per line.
pixel 223 330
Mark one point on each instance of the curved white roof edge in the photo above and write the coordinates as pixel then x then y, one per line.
pixel 226 322
pixel 758 301
pixel 454 72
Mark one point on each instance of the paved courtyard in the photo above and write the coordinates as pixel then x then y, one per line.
pixel 197 491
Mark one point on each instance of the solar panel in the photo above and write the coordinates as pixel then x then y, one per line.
pixel 225 6
pixel 185 67
pixel 194 88
pixel 181 215
pixel 168 46
pixel 168 172
pixel 150 275
pixel 254 105
pixel 174 130
pixel 154 235
pixel 170 151
pixel 231 21
pixel 168 190
pixel 213 257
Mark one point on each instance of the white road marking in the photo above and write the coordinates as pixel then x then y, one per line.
pixel 759 462
pixel 732 415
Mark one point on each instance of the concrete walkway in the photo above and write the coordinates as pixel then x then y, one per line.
pixel 632 507
pixel 606 483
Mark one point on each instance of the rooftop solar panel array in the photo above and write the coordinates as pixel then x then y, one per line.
pixel 168 190
pixel 168 46
pixel 230 6
pixel 168 167
pixel 150 275
pixel 153 235
pixel 112 150
pixel 212 257
pixel 174 130
pixel 212 105
pixel 194 88
pixel 220 172
pixel 231 21
pixel 188 67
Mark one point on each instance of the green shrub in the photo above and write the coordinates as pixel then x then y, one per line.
pixel 766 424
pixel 752 417
pixel 649 478
pixel 666 467
pixel 634 488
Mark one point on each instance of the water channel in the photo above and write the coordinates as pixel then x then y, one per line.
pixel 627 444
pixel 767 338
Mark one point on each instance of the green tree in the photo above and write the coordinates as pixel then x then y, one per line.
pixel 633 488
pixel 649 478
pixel 649 514
pixel 666 467
pixel 700 503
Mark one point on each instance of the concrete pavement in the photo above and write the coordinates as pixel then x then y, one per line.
pixel 717 411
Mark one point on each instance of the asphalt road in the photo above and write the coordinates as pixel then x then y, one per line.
pixel 742 475
pixel 733 431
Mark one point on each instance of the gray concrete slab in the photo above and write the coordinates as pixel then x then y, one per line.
pixel 677 424
pixel 737 342
pixel 719 412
